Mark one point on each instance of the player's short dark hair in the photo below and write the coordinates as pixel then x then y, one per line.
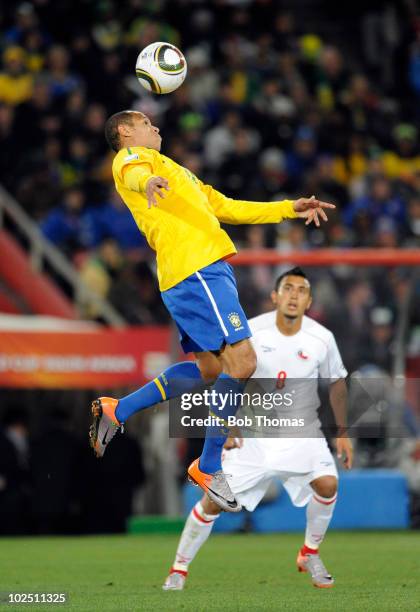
pixel 293 272
pixel 111 128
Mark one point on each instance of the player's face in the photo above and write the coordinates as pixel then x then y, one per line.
pixel 143 133
pixel 293 297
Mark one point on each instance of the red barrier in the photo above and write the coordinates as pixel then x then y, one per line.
pixel 82 360
pixel 329 257
pixel 39 293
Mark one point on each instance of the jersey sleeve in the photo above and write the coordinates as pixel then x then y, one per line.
pixel 236 212
pixel 135 169
pixel 332 366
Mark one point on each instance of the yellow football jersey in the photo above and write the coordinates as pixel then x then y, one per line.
pixel 184 228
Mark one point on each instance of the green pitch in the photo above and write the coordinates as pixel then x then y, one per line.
pixel 373 571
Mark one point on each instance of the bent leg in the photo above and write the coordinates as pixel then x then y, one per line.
pixel 320 510
pixel 238 362
pixel 172 382
pixel 197 529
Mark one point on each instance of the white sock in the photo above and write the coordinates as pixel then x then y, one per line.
pixel 319 512
pixel 197 529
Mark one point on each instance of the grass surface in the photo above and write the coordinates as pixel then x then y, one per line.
pixel 373 571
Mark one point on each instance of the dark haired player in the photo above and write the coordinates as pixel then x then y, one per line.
pixel 180 217
pixel 290 344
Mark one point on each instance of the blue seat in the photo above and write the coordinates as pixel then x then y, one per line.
pixel 367 499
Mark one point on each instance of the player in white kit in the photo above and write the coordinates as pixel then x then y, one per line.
pixel 293 353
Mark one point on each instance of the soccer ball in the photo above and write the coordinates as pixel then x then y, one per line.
pixel 161 68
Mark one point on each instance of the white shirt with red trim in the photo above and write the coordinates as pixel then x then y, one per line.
pixel 293 366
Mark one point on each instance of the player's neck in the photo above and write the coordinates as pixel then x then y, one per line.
pixel 129 143
pixel 288 326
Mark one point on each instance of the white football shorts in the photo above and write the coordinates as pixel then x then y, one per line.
pixel 296 462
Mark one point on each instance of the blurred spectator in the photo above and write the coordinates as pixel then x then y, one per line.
pixel 116 221
pixel 9 147
pixel 55 475
pixel 94 122
pixel 25 21
pixel 125 470
pixel 218 141
pixel 302 157
pixel 14 451
pixel 386 233
pixel 404 161
pixel 349 319
pixel 70 225
pixel 413 214
pixel 332 77
pixel 204 79
pixel 99 272
pixel 61 81
pixel 135 297
pixel 38 118
pixel 15 80
pixel 38 192
pixel 381 202
pixel 273 176
pixel 237 171
pixel 378 349
pixel 77 163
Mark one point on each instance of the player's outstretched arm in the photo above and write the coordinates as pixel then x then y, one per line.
pixel 312 210
pixel 234 212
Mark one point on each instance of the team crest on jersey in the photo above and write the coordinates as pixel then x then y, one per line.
pixel 235 319
pixel 302 354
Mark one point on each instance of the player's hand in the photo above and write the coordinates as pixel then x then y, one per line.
pixel 311 209
pixel 154 187
pixel 345 451
pixel 233 443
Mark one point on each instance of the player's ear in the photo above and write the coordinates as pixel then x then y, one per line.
pixel 309 303
pixel 274 297
pixel 124 129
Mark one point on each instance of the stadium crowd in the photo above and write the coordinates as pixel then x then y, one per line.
pixel 277 102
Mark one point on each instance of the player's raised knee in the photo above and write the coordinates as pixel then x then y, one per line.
pixel 325 486
pixel 240 360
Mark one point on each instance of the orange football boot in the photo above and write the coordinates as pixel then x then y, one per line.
pixel 314 566
pixel 216 487
pixel 104 425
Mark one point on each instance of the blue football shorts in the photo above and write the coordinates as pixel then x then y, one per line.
pixel 206 309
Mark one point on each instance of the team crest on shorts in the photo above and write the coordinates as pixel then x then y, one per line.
pixel 235 319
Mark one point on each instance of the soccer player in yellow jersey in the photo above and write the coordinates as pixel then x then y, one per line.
pixel 180 217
